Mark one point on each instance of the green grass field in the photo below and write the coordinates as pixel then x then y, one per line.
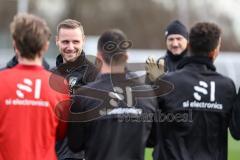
pixel 233 150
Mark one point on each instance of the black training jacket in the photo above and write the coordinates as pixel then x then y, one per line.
pixel 195 117
pixel 13 62
pixel 77 73
pixel 112 118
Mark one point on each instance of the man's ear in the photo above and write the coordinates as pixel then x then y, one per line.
pixel 44 49
pixel 46 46
pixel 84 39
pixel 99 55
pixel 15 48
pixel 56 40
pixel 213 54
pixel 99 61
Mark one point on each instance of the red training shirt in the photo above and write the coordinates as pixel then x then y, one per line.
pixel 28 123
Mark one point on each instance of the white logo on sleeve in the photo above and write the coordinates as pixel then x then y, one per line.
pixel 26 87
pixel 202 90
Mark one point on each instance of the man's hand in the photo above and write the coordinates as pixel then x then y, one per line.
pixel 154 69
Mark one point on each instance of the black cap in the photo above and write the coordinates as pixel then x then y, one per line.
pixel 176 27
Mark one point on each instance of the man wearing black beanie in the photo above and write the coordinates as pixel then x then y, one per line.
pixel 176 36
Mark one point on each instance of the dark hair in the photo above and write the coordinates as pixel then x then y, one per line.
pixel 70 24
pixel 113 45
pixel 204 37
pixel 30 34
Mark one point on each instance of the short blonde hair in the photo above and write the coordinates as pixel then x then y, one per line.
pixel 70 24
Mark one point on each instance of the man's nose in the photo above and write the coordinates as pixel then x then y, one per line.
pixel 70 46
pixel 175 43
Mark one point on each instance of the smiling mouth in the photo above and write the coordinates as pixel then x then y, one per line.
pixel 175 47
pixel 70 53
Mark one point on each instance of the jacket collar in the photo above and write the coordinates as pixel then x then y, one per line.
pixel 13 62
pixel 200 61
pixel 118 76
pixel 70 66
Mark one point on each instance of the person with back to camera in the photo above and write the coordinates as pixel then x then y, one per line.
pixel 30 113
pixel 201 103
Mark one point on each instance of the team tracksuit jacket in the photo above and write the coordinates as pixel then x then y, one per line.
pixel 196 115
